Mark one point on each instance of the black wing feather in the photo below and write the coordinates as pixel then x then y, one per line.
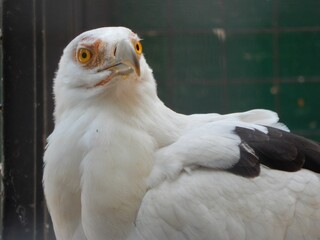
pixel 248 164
pixel 280 150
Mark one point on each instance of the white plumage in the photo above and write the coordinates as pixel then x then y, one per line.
pixel 121 165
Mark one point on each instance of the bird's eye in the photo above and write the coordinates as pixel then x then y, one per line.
pixel 84 55
pixel 138 48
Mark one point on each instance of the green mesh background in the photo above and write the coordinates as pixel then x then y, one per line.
pixel 233 55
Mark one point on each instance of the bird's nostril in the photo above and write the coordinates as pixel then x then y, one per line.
pixel 115 51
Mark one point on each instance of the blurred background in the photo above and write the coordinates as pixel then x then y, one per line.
pixel 208 56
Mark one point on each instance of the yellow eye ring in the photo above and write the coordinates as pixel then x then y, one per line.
pixel 138 48
pixel 84 55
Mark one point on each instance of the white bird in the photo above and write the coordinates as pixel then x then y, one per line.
pixel 121 165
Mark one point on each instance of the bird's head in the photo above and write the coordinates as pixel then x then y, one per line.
pixel 102 62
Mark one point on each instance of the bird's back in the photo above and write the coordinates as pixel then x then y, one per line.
pixel 219 205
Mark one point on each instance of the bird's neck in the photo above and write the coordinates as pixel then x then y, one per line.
pixel 141 105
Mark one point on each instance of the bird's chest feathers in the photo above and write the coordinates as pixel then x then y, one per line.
pixel 117 161
pixel 115 149
pixel 121 149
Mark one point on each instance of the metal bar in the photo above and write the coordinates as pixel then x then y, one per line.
pixel 23 113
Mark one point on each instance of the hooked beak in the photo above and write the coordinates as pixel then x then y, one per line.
pixel 126 61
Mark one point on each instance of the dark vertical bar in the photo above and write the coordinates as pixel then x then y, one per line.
pixel 223 44
pixel 1 126
pixel 47 117
pixel 78 15
pixel 19 119
pixel 39 118
pixel 275 39
pixel 96 13
pixel 170 81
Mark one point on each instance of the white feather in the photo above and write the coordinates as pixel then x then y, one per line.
pixel 218 205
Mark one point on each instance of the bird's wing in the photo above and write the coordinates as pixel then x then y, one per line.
pixel 204 205
pixel 237 147
pixel 255 116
